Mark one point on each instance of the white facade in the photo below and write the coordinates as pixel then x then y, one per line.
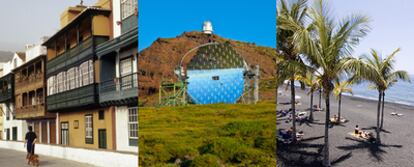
pixel 116 14
pixel 35 50
pixel 121 117
pixel 11 123
pixel 121 126
pixel 121 112
pixel 95 157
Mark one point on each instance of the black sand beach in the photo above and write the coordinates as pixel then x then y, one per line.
pixel 397 147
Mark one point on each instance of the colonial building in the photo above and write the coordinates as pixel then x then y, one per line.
pixel 13 129
pixel 29 94
pixel 1 108
pixel 118 77
pixel 73 74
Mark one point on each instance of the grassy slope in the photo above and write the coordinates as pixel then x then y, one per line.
pixel 208 135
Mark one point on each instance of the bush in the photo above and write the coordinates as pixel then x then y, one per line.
pixel 206 160
pixel 268 144
pixel 182 152
pixel 247 154
pixel 243 129
pixel 149 156
pixel 223 147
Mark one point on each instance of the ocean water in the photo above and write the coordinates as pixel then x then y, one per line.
pixel 401 92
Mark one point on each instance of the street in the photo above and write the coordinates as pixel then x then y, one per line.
pixel 12 158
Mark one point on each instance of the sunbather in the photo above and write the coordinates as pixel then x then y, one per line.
pixel 316 108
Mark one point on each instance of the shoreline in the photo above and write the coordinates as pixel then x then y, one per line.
pixel 396 137
pixel 359 98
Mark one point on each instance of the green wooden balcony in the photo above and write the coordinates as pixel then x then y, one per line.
pixel 119 91
pixel 6 88
pixel 79 97
pixel 81 52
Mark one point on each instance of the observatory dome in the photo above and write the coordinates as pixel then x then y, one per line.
pixel 207 27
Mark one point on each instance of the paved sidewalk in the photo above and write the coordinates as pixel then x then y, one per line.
pixel 12 158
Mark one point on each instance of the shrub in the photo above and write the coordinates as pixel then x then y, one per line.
pixel 223 147
pixel 243 129
pixel 206 160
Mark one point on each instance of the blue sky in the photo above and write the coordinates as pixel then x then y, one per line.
pixel 392 24
pixel 245 20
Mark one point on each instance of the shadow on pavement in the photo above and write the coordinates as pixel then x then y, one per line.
pixel 375 128
pixel 300 154
pixel 376 150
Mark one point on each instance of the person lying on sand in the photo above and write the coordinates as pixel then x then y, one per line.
pixel 335 120
pixel 368 136
pixel 396 114
pixel 316 108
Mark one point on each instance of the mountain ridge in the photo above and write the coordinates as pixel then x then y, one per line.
pixel 158 61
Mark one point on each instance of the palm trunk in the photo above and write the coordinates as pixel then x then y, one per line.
pixel 293 102
pixel 382 108
pixel 378 117
pixel 311 107
pixel 339 107
pixel 320 98
pixel 326 161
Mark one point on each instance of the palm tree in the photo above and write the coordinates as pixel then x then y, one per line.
pixel 290 64
pixel 310 80
pixel 380 72
pixel 325 45
pixel 341 87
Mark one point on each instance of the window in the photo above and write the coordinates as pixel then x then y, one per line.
pixel 71 78
pixel 64 131
pixel 60 82
pixel 133 126
pixel 91 77
pixel 64 81
pixel 101 115
pixel 88 129
pixel 14 133
pixel 50 86
pixel 55 85
pixel 76 74
pixel 128 8
pixel 85 73
pixel 125 66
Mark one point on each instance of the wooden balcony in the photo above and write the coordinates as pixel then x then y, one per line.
pixel 85 96
pixel 6 88
pixel 119 91
pixel 31 112
pixel 27 84
pixel 79 53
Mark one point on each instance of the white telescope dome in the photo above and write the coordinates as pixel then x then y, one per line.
pixel 207 27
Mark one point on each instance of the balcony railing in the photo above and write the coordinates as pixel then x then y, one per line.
pixel 119 88
pixel 80 52
pixel 31 79
pixel 30 111
pixel 5 95
pixel 78 97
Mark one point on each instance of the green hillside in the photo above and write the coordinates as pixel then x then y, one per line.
pixel 208 135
